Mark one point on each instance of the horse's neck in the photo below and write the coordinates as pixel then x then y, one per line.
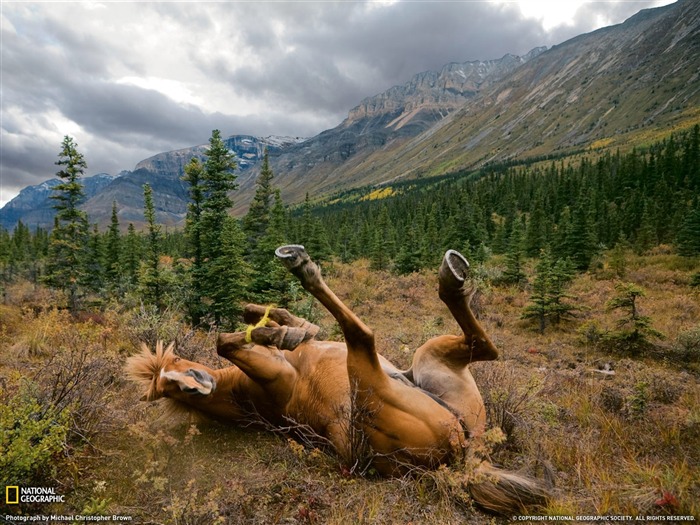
pixel 232 385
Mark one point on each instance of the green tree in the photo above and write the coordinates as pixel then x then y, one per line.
pixel 688 239
pixel 256 221
pixel 194 176
pixel 271 282
pixel 151 281
pixel 548 299
pixel 408 259
pixel 224 273
pixel 635 329
pixel 94 275
pixel 66 265
pixel 514 273
pixel 113 268
pixel 227 276
pixel 132 255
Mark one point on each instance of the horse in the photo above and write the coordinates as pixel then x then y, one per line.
pixel 347 393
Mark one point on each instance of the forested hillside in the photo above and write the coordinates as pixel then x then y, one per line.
pixel 579 205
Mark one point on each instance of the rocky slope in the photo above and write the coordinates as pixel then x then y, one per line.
pixel 619 86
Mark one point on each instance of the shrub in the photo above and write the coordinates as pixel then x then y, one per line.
pixel 687 346
pixel 32 435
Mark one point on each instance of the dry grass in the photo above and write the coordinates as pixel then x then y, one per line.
pixel 621 444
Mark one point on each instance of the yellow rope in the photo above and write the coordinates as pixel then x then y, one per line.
pixel 263 322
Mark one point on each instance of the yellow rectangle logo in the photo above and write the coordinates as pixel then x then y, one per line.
pixel 11 495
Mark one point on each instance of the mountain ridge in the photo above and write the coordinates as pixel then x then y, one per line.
pixel 617 86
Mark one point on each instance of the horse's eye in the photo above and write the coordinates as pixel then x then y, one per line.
pixel 176 360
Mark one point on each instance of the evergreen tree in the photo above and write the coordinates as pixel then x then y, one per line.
pixel 66 265
pixel 635 328
pixel 226 276
pixel 538 308
pixel 194 175
pixel 132 255
pixel 256 221
pixel 513 273
pixel 224 273
pixel 272 283
pixel 408 259
pixel 94 275
pixel 646 236
pixel 547 301
pixel 113 250
pixel 151 278
pixel 689 235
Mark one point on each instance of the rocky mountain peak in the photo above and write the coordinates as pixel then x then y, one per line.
pixel 443 90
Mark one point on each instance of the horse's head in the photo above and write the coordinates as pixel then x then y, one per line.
pixel 165 374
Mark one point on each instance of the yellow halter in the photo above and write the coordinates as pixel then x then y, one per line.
pixel 263 322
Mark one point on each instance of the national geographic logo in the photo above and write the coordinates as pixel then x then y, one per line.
pixel 11 495
pixel 15 494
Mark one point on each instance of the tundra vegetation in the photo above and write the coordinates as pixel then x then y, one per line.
pixel 587 268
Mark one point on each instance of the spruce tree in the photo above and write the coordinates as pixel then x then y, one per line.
pixel 256 221
pixel 66 265
pixel 538 308
pixel 224 274
pixel 635 329
pixel 271 282
pixel 688 239
pixel 194 175
pixel 94 275
pixel 408 259
pixel 151 278
pixel 131 259
pixel 113 250
pixel 513 273
pixel 548 299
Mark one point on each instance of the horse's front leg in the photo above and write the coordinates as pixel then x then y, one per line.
pixel 358 336
pixel 277 327
pixel 264 365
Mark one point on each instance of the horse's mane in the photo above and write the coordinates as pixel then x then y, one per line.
pixel 144 368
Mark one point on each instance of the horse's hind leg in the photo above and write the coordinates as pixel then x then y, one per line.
pixel 452 274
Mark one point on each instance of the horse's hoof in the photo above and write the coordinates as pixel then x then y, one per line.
pixel 453 271
pixel 292 255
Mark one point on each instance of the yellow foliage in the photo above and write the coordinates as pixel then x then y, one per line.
pixel 379 193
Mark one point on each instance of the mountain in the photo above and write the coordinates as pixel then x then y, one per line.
pixel 383 122
pixel 620 86
pixel 34 206
pixel 163 172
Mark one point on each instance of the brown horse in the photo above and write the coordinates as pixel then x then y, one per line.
pixel 419 418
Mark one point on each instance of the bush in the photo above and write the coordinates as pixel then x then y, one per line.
pixel 687 346
pixel 32 435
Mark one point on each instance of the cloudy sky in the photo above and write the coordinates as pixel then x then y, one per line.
pixel 128 80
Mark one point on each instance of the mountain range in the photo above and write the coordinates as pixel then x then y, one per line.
pixel 617 87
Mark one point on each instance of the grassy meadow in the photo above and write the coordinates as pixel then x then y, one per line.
pixel 615 432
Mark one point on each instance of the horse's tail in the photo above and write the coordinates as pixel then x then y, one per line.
pixel 505 492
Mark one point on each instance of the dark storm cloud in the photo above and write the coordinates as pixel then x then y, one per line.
pixel 335 57
pixel 101 71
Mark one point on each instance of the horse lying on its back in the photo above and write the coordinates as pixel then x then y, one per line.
pixel 421 417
